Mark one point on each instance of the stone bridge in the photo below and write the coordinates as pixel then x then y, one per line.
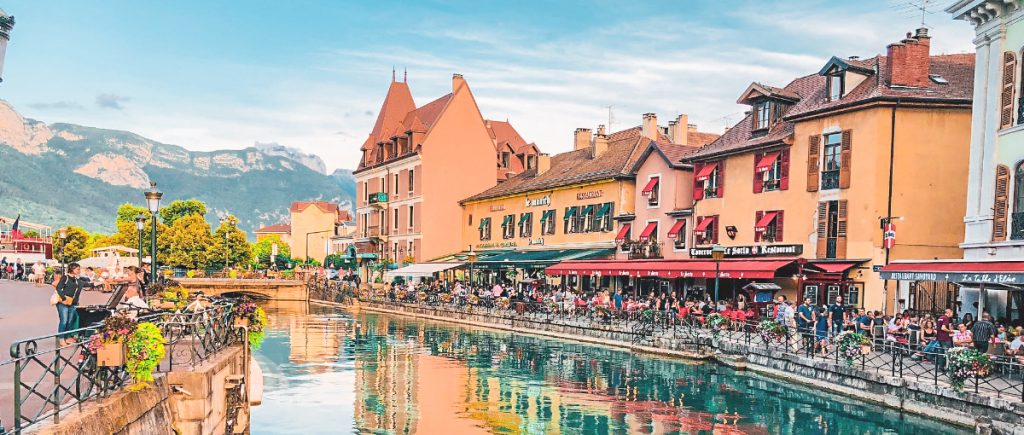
pixel 274 289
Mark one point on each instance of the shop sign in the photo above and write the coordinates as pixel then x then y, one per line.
pixel 966 278
pixel 496 245
pixel 589 195
pixel 537 241
pixel 497 207
pixel 751 251
pixel 889 236
pixel 539 202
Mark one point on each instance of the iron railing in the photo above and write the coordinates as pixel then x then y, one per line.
pixel 50 378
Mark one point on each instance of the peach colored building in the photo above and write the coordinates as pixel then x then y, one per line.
pixel 312 221
pixel 419 162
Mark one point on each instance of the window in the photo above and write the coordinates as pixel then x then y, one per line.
pixel 853 292
pixel 485 228
pixel 706 232
pixel 396 184
pixel 836 86
pixel 570 225
pixel 811 292
pixel 711 185
pixel 395 213
pixel 768 226
pixel 1017 222
pixel 366 191
pixel 833 161
pixel 547 224
pixel 762 114
pixel 586 224
pixel 833 294
pixel 505 158
pixel 412 181
pixel 412 213
pixel 470 223
pixel 526 225
pixel 771 175
pixel 652 190
pixel 605 213
pixel 529 162
pixel 508 228
pixel 411 250
pixel 678 234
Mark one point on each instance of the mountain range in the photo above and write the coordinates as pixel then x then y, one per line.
pixel 60 174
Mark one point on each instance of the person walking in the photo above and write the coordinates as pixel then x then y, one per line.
pixel 68 290
pixel 38 273
pixel 837 316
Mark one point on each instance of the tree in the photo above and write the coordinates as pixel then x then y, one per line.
pixel 76 245
pixel 180 208
pixel 230 242
pixel 128 211
pixel 188 240
pixel 262 250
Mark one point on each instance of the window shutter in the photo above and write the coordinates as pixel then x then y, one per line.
pixel 698 187
pixel 720 191
pixel 1002 203
pixel 841 233
pixel 778 226
pixel 757 218
pixel 822 229
pixel 758 177
pixel 813 160
pixel 1006 98
pixel 784 171
pixel 846 147
pixel 714 230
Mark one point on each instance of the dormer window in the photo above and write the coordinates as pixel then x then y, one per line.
pixel 836 86
pixel 529 162
pixel 505 158
pixel 762 114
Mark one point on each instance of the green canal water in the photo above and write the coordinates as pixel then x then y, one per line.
pixel 330 371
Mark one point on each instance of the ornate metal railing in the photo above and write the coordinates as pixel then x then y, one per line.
pixel 49 377
pixel 903 359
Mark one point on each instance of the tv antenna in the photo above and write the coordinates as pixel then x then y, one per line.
pixel 913 8
pixel 609 118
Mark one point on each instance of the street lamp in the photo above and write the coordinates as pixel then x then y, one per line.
pixel 227 249
pixel 63 234
pixel 472 260
pixel 153 202
pixel 717 254
pixel 140 224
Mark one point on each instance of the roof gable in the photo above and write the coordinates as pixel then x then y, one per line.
pixel 836 63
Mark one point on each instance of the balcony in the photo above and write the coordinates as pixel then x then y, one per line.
pixel 379 199
pixel 375 232
pixel 1017 226
pixel 642 250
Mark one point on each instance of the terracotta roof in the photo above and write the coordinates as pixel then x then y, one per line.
pixel 956 69
pixel 397 103
pixel 428 113
pixel 577 166
pixel 275 228
pixel 502 131
pixel 675 152
pixel 344 216
pixel 699 138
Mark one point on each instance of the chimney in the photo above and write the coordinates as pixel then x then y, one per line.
pixel 457 82
pixel 650 126
pixel 600 142
pixel 581 138
pixel 543 163
pixel 908 60
pixel 677 129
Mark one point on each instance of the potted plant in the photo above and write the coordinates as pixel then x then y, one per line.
pixel 145 349
pixel 771 330
pixel 851 345
pixel 964 363
pixel 108 342
pixel 717 322
pixel 249 315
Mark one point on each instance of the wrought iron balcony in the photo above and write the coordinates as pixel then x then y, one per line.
pixel 1017 226
pixel 379 198
pixel 643 250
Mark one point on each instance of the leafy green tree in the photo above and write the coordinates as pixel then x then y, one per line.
pixel 262 250
pixel 180 208
pixel 76 245
pixel 229 242
pixel 128 211
pixel 188 240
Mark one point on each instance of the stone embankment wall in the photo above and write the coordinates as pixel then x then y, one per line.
pixel 187 402
pixel 988 414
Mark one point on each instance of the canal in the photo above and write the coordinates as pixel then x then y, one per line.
pixel 330 371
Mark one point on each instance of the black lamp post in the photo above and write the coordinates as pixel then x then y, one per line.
pixel 153 202
pixel 717 253
pixel 63 240
pixel 227 248
pixel 140 224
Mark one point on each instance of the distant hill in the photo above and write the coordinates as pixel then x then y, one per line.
pixel 62 174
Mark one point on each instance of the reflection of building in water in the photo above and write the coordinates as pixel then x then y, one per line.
pixel 316 340
pixel 385 385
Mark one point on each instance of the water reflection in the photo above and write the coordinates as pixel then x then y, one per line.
pixel 327 371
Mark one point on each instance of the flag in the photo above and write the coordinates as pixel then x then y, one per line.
pixel 15 231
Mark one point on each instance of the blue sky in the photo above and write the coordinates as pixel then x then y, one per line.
pixel 311 74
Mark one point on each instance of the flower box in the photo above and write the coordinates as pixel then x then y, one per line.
pixel 110 355
pixel 865 349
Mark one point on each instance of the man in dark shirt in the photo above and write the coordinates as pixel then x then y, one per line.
pixel 864 322
pixel 837 315
pixel 944 328
pixel 983 330
pixel 805 322
pixel 69 288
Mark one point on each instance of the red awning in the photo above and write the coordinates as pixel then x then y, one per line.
pixel 703 224
pixel 648 230
pixel 766 162
pixel 622 233
pixel 765 221
pixel 743 269
pixel 705 172
pixel 834 267
pixel 650 186
pixel 674 231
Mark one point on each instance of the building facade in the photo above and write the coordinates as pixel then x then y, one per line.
pixel 409 163
pixel 818 168
pixel 313 224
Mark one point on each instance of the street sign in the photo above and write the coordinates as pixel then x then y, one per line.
pixel 876 268
pixel 889 236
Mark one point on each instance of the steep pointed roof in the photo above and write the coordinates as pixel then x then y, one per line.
pixel 397 104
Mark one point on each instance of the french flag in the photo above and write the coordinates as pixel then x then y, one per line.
pixel 15 230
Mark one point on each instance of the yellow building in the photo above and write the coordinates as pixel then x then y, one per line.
pixel 818 168
pixel 313 224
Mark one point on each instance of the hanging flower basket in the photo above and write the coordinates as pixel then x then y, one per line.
pixel 108 342
pixel 717 322
pixel 965 363
pixel 110 354
pixel 771 330
pixel 865 349
pixel 852 345
pixel 249 315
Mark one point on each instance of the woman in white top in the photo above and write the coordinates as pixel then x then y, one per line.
pixel 38 273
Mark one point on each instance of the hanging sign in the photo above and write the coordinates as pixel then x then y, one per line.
pixel 889 236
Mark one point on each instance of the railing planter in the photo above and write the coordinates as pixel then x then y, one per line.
pixel 110 355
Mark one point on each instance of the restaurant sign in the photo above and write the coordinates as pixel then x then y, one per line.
pixel 496 245
pixel 589 195
pixel 497 207
pixel 960 277
pixel 539 202
pixel 751 251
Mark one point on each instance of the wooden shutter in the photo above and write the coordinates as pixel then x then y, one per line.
pixel 1002 203
pixel 822 229
pixel 698 187
pixel 841 233
pixel 758 177
pixel 813 160
pixel 778 226
pixel 720 191
pixel 757 218
pixel 1006 98
pixel 846 147
pixel 784 171
pixel 714 230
